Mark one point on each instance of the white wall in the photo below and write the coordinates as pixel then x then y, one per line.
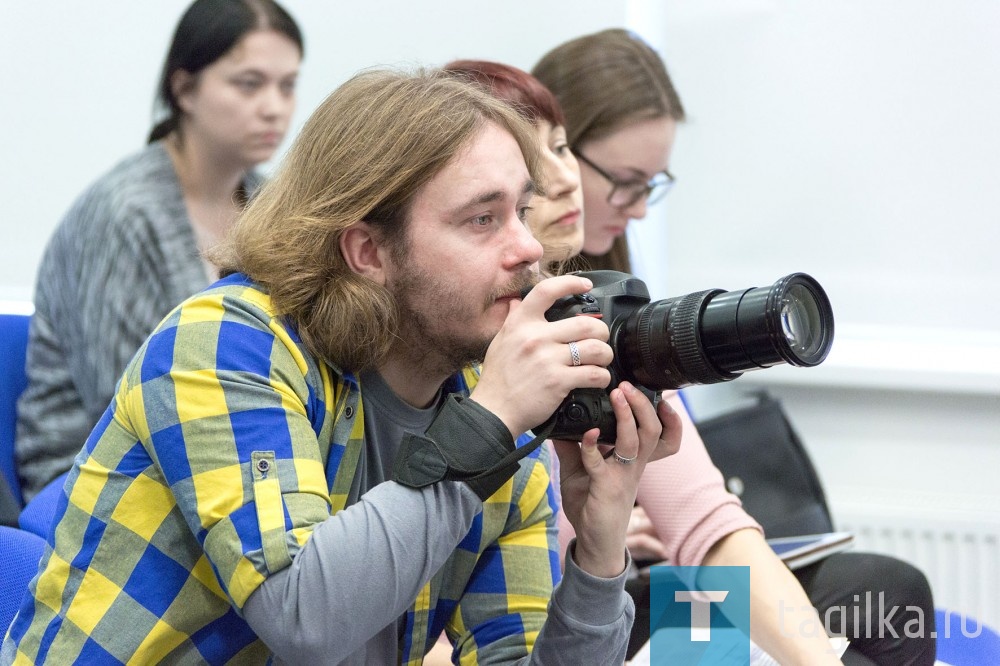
pixel 857 141
pixel 79 78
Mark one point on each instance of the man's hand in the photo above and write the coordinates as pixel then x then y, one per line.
pixel 529 369
pixel 598 492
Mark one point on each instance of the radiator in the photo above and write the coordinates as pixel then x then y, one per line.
pixel 954 541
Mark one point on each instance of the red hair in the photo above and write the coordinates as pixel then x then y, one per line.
pixel 512 85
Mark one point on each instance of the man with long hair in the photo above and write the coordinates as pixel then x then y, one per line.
pixel 240 499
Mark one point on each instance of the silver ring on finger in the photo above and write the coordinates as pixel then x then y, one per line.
pixel 574 354
pixel 622 459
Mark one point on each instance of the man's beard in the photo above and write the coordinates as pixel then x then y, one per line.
pixel 435 320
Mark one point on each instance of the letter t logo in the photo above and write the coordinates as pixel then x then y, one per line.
pixel 701 601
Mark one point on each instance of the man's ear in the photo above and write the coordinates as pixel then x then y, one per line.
pixel 362 250
pixel 182 83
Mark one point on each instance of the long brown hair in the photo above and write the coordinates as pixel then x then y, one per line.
pixel 533 101
pixel 604 81
pixel 362 156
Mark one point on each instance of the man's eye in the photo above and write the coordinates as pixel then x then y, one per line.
pixel 522 213
pixel 482 220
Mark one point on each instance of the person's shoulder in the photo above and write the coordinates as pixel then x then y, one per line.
pixel 141 180
pixel 237 299
pixel 234 317
pixel 236 296
pixel 139 170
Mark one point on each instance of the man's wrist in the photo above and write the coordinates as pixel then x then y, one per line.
pixel 599 562
pixel 596 600
pixel 509 421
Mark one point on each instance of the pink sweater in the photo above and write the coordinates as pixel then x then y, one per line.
pixel 685 498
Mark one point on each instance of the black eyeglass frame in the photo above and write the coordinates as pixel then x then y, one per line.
pixel 660 183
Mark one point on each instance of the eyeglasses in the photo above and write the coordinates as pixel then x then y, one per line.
pixel 625 193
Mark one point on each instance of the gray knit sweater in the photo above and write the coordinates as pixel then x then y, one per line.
pixel 124 255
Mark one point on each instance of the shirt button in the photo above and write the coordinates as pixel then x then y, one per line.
pixel 349 412
pixel 734 484
pixel 263 466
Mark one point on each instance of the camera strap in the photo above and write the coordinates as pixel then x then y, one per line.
pixel 465 442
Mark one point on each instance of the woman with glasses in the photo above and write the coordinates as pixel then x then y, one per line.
pixel 622 113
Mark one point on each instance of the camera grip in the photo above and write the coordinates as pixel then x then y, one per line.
pixel 584 409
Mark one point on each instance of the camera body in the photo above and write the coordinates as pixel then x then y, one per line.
pixel 700 338
pixel 613 298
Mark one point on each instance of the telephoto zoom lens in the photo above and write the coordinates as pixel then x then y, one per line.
pixel 714 336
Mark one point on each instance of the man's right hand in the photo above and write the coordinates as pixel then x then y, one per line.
pixel 528 369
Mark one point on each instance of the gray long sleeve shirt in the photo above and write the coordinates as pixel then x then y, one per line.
pixel 362 568
pixel 341 598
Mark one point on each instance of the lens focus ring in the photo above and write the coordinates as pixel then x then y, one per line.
pixel 685 327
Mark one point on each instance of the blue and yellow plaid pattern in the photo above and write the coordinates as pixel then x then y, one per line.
pixel 226 444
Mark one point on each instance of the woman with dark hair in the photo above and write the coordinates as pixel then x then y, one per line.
pixel 131 246
pixel 622 112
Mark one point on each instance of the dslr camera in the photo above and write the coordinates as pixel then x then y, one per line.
pixel 704 337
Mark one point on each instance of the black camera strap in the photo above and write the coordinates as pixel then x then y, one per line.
pixel 465 442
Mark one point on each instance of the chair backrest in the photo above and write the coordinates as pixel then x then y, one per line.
pixel 764 462
pixel 964 641
pixel 37 515
pixel 20 552
pixel 13 380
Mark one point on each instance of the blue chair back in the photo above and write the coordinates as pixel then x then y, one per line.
pixel 36 517
pixel 20 552
pixel 13 380
pixel 964 641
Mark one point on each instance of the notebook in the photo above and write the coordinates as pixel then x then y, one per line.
pixel 799 551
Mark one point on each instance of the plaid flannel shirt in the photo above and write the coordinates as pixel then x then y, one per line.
pixel 226 444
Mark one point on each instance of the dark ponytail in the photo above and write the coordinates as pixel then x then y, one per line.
pixel 162 128
pixel 206 32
